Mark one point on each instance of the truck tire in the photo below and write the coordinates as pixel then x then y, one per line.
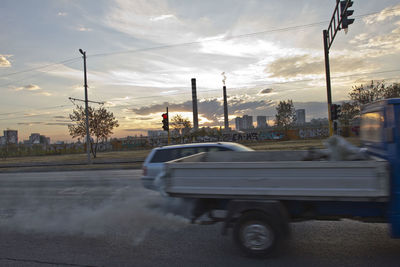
pixel 257 234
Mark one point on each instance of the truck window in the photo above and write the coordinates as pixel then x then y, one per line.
pixel 372 127
pixel 164 155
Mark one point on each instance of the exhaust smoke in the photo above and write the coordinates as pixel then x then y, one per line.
pixel 123 217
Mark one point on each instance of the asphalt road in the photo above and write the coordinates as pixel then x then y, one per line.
pixel 105 218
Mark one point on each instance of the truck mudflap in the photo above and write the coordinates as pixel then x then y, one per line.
pixel 272 208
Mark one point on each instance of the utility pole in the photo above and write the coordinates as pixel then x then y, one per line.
pixel 340 20
pixel 86 108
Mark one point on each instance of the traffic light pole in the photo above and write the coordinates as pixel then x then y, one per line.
pixel 340 20
pixel 328 80
pixel 169 137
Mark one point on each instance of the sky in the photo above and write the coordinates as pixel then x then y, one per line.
pixel 142 55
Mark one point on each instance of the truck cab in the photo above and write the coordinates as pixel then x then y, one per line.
pixel 380 134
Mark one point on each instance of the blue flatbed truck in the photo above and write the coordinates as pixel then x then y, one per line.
pixel 259 193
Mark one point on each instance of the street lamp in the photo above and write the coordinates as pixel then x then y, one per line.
pixel 86 107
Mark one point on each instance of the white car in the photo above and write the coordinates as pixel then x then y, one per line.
pixel 154 162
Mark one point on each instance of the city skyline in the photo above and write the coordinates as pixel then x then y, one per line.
pixel 142 56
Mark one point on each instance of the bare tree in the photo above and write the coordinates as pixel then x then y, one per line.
pixel 348 111
pixel 101 124
pixel 181 125
pixel 285 114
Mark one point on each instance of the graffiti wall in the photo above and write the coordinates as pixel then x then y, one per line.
pixel 253 136
pixel 303 133
pixel 313 132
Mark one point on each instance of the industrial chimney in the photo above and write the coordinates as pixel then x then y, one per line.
pixel 194 100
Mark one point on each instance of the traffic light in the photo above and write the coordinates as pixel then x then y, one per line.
pixel 335 112
pixel 338 111
pixel 345 13
pixel 165 122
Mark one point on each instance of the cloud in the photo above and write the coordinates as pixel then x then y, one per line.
pixel 306 65
pixel 84 29
pixel 62 14
pixel 33 88
pixel 44 93
pixel 60 117
pixel 58 124
pixel 44 123
pixel 143 118
pixel 4 63
pixel 266 91
pixel 136 130
pixel 29 87
pixel 381 44
pixel 240 47
pixel 384 15
pixel 162 17
pixel 30 123
pixel 154 20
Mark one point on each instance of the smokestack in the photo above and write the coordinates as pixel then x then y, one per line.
pixel 226 110
pixel 194 100
pixel 226 121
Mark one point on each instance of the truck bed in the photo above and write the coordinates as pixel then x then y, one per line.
pixel 276 175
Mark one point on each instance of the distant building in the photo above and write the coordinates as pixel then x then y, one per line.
pixel 44 140
pixel 261 121
pixel 319 122
pixel 247 122
pixel 300 116
pixel 238 124
pixel 10 137
pixel 34 138
pixel 37 139
pixel 244 123
pixel 157 133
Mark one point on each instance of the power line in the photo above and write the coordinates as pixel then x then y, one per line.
pixel 297 27
pixel 40 67
pixel 31 110
pixel 27 116
pixel 37 74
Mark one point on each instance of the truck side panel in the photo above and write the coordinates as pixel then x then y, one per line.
pixel 363 180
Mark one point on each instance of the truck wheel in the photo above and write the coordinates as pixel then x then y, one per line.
pixel 256 233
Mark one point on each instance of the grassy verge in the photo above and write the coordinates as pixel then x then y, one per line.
pixel 115 156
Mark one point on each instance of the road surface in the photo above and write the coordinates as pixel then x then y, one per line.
pixel 105 218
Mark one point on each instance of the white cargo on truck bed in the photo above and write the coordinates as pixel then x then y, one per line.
pixel 275 175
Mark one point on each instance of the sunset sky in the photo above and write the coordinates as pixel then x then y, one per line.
pixel 142 55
